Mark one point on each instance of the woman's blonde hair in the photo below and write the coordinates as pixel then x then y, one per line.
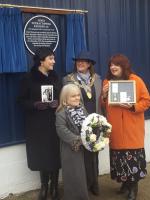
pixel 67 91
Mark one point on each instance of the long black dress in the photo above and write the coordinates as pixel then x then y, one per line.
pixel 42 143
pixel 91 158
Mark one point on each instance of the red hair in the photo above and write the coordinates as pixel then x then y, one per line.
pixel 122 61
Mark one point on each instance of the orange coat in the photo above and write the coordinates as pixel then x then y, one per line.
pixel 128 126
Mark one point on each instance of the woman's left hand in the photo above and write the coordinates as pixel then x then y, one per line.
pixel 126 105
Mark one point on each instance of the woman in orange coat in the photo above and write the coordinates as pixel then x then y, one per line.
pixel 127 154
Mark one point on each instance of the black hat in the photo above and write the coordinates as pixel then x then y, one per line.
pixel 85 55
pixel 42 52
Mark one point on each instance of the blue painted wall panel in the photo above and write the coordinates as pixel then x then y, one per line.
pixel 112 26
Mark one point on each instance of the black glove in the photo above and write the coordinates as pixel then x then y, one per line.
pixel 53 104
pixel 39 105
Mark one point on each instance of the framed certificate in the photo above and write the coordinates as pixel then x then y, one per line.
pixel 123 91
pixel 47 93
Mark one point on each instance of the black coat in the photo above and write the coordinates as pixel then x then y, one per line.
pixel 42 143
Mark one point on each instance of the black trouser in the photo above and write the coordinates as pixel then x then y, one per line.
pixel 91 167
pixel 45 177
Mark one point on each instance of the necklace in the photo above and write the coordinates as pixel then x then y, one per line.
pixel 81 84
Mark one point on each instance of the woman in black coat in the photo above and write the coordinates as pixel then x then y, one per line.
pixel 42 143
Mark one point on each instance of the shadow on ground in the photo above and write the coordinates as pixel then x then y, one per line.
pixel 108 189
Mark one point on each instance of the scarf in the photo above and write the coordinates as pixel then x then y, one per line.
pixel 84 77
pixel 76 114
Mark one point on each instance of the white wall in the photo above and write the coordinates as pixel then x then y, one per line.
pixel 14 174
pixel 16 177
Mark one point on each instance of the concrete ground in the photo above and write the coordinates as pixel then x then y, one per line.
pixel 108 190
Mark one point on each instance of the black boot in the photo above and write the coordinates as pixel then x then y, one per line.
pixel 54 185
pixel 123 188
pixel 95 188
pixel 44 186
pixel 133 190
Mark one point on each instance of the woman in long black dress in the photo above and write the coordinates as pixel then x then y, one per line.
pixel 42 143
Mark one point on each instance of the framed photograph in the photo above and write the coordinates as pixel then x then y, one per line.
pixel 47 93
pixel 123 91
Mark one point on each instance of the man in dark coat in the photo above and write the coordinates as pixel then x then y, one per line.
pixel 42 143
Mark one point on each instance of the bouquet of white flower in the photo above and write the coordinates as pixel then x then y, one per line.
pixel 95 132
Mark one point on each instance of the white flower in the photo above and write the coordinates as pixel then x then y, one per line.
pixel 95 120
pixel 109 130
pixel 106 140
pixel 92 138
pixel 99 146
pixel 86 128
pixel 91 141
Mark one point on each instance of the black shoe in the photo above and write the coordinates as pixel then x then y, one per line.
pixel 44 176
pixel 123 188
pixel 43 192
pixel 54 192
pixel 54 186
pixel 94 190
pixel 55 197
pixel 133 190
